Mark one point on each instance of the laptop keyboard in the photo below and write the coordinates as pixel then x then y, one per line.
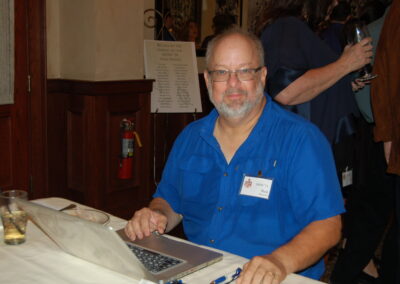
pixel 153 261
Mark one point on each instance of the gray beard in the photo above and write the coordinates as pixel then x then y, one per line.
pixel 229 112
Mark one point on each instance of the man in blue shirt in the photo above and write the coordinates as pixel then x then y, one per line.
pixel 250 178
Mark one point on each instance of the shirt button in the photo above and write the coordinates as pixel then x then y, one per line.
pixel 212 241
pixel 220 208
pixel 225 174
pixel 236 168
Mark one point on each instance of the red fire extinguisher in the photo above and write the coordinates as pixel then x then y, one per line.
pixel 128 136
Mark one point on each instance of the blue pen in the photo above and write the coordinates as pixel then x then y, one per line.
pixel 229 277
pixel 178 281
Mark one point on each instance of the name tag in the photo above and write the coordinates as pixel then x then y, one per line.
pixel 347 177
pixel 256 186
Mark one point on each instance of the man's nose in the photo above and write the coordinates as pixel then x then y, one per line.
pixel 233 79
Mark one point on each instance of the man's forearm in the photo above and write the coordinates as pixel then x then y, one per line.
pixel 162 206
pixel 317 80
pixel 311 84
pixel 309 245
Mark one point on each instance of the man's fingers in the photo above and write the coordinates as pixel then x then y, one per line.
pixel 158 222
pixel 144 222
pixel 262 270
pixel 269 277
pixel 129 231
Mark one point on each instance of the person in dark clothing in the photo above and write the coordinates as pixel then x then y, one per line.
pixel 385 97
pixel 370 205
pixel 305 74
pixel 372 11
pixel 221 22
pixel 166 32
pixel 333 34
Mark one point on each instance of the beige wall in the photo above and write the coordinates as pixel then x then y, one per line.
pixel 149 19
pixel 102 40
pixel 53 38
pixel 95 40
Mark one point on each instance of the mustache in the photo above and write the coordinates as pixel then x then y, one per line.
pixel 235 91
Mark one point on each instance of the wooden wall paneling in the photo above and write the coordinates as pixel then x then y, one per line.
pixel 56 142
pixel 95 150
pixel 20 132
pixel 140 188
pixel 37 122
pixel 14 117
pixel 89 124
pixel 76 147
pixel 6 178
pixel 86 129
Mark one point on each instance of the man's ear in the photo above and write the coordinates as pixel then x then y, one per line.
pixel 206 77
pixel 263 73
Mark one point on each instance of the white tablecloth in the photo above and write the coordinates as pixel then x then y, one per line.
pixel 40 260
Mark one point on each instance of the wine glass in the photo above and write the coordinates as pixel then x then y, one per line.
pixel 356 32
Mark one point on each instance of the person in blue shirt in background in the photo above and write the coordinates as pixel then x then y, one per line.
pixel 250 178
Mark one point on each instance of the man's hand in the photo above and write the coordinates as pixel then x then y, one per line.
pixel 357 85
pixel 144 222
pixel 387 147
pixel 265 269
pixel 358 55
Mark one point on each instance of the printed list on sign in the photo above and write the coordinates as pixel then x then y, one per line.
pixel 173 66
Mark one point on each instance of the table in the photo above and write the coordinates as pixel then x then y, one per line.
pixel 40 260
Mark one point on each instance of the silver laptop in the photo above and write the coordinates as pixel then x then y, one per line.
pixel 155 258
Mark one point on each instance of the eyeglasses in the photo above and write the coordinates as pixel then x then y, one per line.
pixel 245 74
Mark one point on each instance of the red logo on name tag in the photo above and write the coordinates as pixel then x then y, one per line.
pixel 248 183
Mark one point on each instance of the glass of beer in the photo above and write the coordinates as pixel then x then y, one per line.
pixel 13 217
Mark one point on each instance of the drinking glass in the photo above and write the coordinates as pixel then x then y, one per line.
pixel 13 217
pixel 356 32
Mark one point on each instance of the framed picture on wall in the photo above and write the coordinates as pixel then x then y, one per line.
pixel 192 20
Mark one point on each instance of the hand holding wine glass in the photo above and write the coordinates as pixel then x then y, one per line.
pixel 355 33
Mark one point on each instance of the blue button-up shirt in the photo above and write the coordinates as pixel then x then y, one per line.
pixel 199 184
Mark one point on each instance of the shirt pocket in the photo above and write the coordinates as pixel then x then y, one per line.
pixel 193 177
pixel 262 168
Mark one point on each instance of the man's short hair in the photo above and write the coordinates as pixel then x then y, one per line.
pixel 236 30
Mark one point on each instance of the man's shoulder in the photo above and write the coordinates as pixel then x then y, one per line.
pixel 292 124
pixel 286 116
pixel 199 125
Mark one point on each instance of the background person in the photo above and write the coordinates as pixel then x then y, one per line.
pixel 167 29
pixel 370 206
pixel 247 166
pixel 385 95
pixel 307 77
pixel 303 71
pixel 221 22
pixel 333 35
pixel 190 32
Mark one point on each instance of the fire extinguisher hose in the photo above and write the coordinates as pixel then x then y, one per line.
pixel 137 137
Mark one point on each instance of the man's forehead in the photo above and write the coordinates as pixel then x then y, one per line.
pixel 234 49
pixel 232 40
